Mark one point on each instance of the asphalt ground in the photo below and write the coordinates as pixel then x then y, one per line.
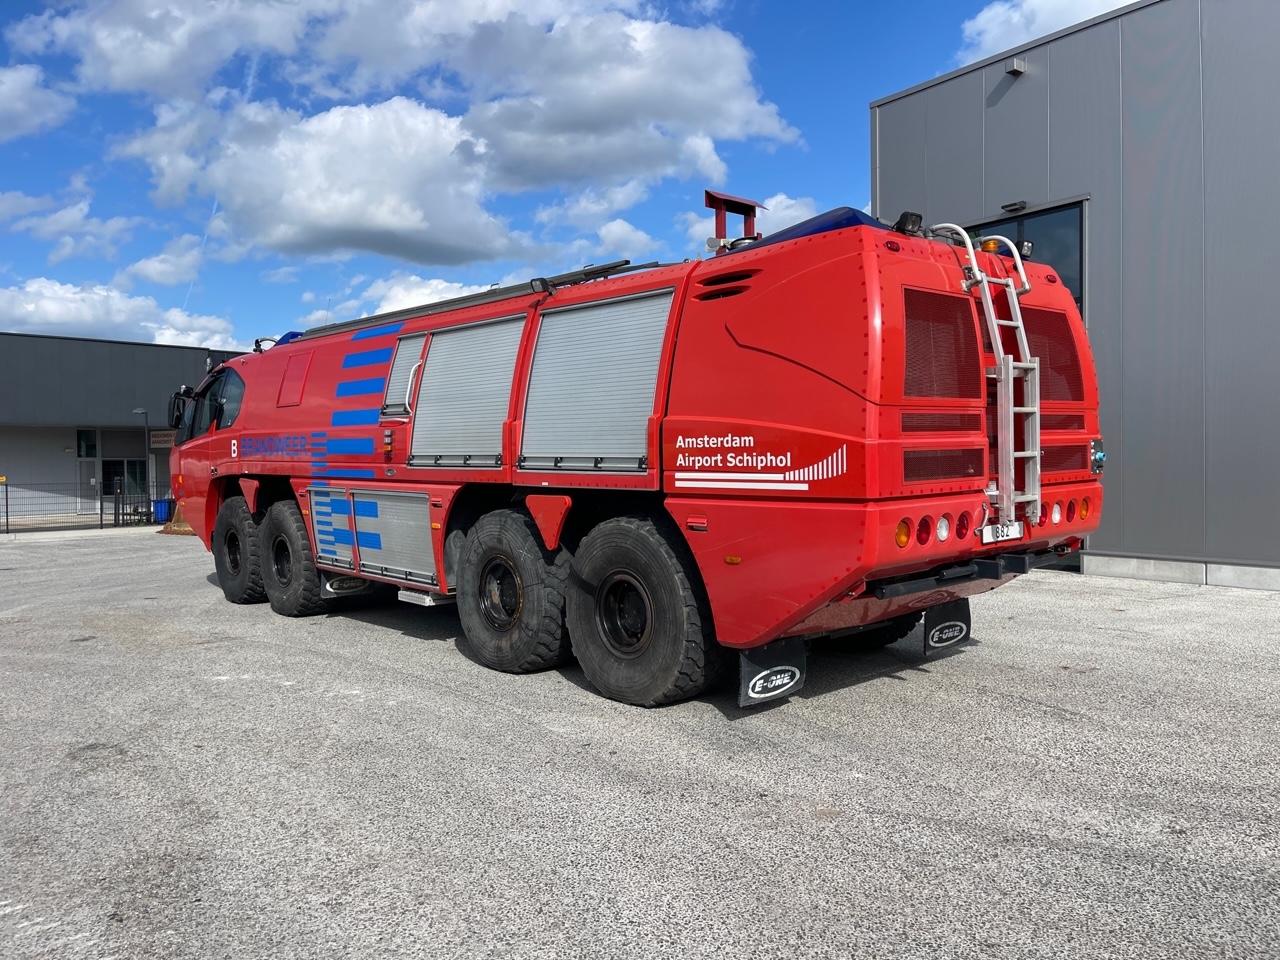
pixel 1094 776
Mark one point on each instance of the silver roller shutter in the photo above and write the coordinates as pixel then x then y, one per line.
pixel 465 394
pixel 591 390
pixel 408 353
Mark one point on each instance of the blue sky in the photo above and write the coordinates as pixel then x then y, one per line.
pixel 209 171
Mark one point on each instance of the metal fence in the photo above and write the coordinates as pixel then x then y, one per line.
pixel 28 507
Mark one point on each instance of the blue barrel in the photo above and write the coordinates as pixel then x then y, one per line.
pixel 161 510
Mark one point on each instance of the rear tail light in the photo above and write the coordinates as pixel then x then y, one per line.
pixel 902 536
pixel 1084 509
pixel 1044 514
pixel 924 531
pixel 1057 512
pixel 962 526
pixel 1071 511
pixel 944 528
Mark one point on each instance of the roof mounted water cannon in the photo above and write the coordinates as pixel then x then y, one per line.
pixel 723 204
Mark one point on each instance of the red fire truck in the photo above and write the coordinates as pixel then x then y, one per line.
pixel 841 428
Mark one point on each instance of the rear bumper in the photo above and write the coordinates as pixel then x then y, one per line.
pixel 771 567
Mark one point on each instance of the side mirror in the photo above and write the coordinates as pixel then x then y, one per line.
pixel 177 404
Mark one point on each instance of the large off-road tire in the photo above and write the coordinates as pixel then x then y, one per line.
pixel 237 553
pixel 637 627
pixel 288 566
pixel 511 594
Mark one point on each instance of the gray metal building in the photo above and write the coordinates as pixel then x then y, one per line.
pixel 68 429
pixel 1139 151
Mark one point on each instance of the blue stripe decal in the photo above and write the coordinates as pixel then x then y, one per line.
pixel 328 553
pixel 369 541
pixel 367 508
pixel 355 418
pixel 319 483
pixel 362 388
pixel 367 358
pixel 341 508
pixel 351 446
pixel 383 331
pixel 319 436
pixel 343 537
pixel 351 474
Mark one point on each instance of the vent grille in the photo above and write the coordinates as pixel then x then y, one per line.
pixel 1061 421
pixel 941 422
pixel 1049 335
pixel 719 293
pixel 1064 459
pixel 739 276
pixel 921 465
pixel 941 349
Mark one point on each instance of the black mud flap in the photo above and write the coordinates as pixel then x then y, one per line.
pixel 944 626
pixel 772 671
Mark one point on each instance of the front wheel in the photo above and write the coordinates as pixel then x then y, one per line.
pixel 636 623
pixel 236 553
pixel 288 566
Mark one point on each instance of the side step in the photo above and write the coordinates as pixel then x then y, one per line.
pixel 424 598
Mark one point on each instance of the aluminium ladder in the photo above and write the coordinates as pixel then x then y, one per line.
pixel 1009 368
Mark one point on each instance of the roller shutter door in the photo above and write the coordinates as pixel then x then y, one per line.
pixel 464 395
pixel 591 389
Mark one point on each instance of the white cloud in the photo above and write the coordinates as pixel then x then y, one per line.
pixel 608 97
pixel 406 290
pixel 1009 23
pixel 16 204
pixel 76 234
pixel 167 49
pixel 385 178
pixel 46 306
pixel 27 105
pixel 620 237
pixel 599 99
pixel 178 263
pixel 591 206
pixel 281 275
pixel 780 211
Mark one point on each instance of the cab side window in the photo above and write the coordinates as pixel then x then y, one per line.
pixel 229 400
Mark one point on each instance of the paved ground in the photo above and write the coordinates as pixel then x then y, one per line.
pixel 1095 777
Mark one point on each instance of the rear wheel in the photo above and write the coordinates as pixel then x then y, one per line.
pixel 289 567
pixel 236 553
pixel 511 595
pixel 637 627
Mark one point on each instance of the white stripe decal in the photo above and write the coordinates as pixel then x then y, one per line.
pixel 739 485
pixel 833 466
pixel 699 475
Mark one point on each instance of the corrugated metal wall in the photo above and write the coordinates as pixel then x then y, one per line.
pixel 61 381
pixel 1165 118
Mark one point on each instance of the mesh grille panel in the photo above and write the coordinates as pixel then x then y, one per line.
pixel 1064 459
pixel 1049 335
pixel 1061 421
pixel 942 352
pixel 921 465
pixel 941 422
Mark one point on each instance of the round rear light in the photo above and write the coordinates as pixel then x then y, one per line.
pixel 902 536
pixel 1057 512
pixel 1044 514
pixel 944 528
pixel 924 531
pixel 1071 511
pixel 1084 509
pixel 962 526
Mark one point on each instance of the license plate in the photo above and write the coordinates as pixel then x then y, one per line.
pixel 999 532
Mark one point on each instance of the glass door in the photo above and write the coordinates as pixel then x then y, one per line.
pixel 87 486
